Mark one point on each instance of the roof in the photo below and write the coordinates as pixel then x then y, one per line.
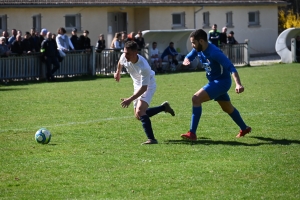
pixel 79 3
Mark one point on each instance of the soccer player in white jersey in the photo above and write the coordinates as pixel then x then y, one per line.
pixel 144 88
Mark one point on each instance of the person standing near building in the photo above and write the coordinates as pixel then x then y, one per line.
pixel 144 88
pixel 214 36
pixel 74 39
pixel 50 56
pixel 218 69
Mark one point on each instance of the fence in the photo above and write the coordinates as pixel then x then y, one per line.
pixel 77 63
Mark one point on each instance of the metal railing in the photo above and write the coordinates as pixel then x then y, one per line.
pixel 77 63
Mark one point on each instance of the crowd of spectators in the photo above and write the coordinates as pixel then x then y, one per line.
pixel 30 42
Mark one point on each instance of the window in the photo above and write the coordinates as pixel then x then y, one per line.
pixel 36 22
pixel 253 18
pixel 178 20
pixel 73 21
pixel 229 19
pixel 205 19
pixel 3 23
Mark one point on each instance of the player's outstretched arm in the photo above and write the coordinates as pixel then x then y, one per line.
pixel 239 88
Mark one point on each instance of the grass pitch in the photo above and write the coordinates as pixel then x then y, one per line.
pixel 95 151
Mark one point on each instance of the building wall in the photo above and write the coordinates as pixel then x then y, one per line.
pixel 262 38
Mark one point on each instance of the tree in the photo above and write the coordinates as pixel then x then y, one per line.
pixel 287 19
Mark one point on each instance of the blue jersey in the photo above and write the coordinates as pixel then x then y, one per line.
pixel 215 63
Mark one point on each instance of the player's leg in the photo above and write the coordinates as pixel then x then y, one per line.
pixel 234 114
pixel 140 112
pixel 165 106
pixel 197 100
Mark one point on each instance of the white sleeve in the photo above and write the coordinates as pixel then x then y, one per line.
pixel 71 44
pixel 122 59
pixel 59 46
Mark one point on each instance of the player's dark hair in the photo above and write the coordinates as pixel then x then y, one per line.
pixel 199 34
pixel 132 45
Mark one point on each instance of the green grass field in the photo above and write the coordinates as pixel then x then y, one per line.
pixel 95 151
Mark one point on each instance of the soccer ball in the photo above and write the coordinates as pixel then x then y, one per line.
pixel 43 136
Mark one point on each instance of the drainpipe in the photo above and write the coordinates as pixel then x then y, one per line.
pixel 195 16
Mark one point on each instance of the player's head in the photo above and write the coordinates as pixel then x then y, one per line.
pixel 198 39
pixel 131 50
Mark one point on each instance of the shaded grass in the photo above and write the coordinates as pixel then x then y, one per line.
pixel 95 152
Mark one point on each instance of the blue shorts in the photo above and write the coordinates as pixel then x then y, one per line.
pixel 218 89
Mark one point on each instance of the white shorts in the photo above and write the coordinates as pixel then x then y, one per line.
pixel 146 96
pixel 154 59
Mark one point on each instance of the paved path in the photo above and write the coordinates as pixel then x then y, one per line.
pixel 264 60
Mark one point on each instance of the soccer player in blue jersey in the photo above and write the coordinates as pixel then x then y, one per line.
pixel 218 69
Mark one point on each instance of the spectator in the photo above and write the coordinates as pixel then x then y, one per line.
pixel 115 43
pixel 131 37
pixel 155 59
pixel 4 50
pixel 124 39
pixel 74 39
pixel 298 48
pixel 34 40
pixel 85 41
pixel 26 43
pixel 214 36
pixel 53 36
pixel 63 42
pixel 170 55
pixel 17 46
pixel 223 36
pixel 231 39
pixel 140 40
pixel 100 45
pixel 12 37
pixel 42 36
pixel 50 56
pixel 5 35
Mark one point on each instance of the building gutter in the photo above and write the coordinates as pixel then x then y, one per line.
pixel 3 5
pixel 195 13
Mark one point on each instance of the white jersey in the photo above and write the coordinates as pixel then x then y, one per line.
pixel 140 72
pixel 153 51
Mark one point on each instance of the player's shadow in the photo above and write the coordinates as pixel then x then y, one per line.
pixel 208 141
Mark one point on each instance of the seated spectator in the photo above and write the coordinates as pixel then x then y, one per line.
pixel 140 40
pixel 170 55
pixel 4 50
pixel 85 41
pixel 155 59
pixel 298 48
pixel 231 39
pixel 26 43
pixel 17 46
pixel 63 41
pixel 115 43
pixel 100 45
pixel 74 39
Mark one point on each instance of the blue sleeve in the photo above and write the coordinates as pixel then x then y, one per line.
pixel 224 61
pixel 192 55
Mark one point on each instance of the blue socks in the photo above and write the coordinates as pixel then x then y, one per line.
pixel 154 110
pixel 147 126
pixel 197 111
pixel 235 115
